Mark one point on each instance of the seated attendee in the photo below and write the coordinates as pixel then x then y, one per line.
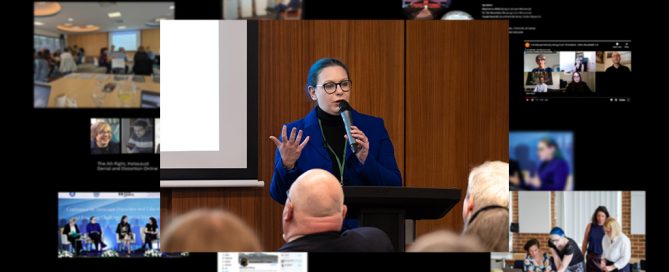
pixel 67 64
pixel 565 252
pixel 41 68
pixel 209 231
pixel 536 259
pixel 285 5
pixel 124 232
pixel 95 233
pixel 485 210
pixel 313 216
pixel 120 55
pixel 73 234
pixel 617 248
pixel 141 138
pixel 577 86
pixel 150 232
pixel 143 65
pixel 150 54
pixel 101 139
pixel 103 59
pixel 446 241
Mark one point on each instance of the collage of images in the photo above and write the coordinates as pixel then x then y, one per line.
pixel 438 189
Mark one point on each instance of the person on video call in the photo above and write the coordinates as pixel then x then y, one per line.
pixel 124 232
pixel 565 252
pixel 141 138
pixel 95 233
pixel 313 216
pixel 542 70
pixel 553 170
pixel 71 230
pixel 101 139
pixel 318 140
pixel 616 67
pixel 577 86
pixel 541 87
pixel 536 259
pixel 592 241
pixel 617 248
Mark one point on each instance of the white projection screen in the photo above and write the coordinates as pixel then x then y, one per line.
pixel 209 102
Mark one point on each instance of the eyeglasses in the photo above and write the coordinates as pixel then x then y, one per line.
pixel 331 87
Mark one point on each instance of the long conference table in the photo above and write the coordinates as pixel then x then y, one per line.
pixel 81 90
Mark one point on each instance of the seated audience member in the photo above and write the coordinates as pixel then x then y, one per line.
pixel 209 231
pixel 141 138
pixel 617 248
pixel 41 65
pixel 103 59
pixel 73 234
pixel 101 139
pixel 67 64
pixel 150 232
pixel 485 209
pixel 446 241
pixel 95 233
pixel 565 252
pixel 120 54
pixel 536 259
pixel 313 216
pixel 285 5
pixel 143 65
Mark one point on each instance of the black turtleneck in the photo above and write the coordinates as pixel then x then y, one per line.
pixel 333 130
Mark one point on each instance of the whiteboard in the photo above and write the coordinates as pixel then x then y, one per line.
pixel 534 212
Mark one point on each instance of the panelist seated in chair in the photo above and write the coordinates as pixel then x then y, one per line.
pixel 73 234
pixel 313 216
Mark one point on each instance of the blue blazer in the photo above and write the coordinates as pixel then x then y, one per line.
pixel 380 168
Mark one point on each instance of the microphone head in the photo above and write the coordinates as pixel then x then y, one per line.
pixel 343 106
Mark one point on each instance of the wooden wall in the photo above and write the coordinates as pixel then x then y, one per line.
pixel 445 112
pixel 92 42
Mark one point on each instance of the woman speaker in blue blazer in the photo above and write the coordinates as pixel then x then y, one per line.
pixel 319 140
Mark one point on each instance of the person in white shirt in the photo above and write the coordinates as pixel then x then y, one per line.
pixel 617 248
pixel 541 87
pixel 67 64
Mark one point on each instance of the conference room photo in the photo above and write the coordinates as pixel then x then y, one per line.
pixel 575 231
pixel 334 136
pixel 109 225
pixel 98 54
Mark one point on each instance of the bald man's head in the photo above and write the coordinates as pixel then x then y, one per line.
pixel 315 204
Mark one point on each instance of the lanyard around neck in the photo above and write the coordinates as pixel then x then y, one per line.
pixel 340 163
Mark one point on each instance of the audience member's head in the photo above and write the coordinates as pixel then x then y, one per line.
pixel 487 186
pixel 315 204
pixel 446 241
pixel 209 231
pixel 485 208
pixel 140 49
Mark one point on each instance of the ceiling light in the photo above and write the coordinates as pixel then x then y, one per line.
pixel 114 14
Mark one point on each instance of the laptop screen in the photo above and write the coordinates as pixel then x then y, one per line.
pixel 42 93
pixel 150 100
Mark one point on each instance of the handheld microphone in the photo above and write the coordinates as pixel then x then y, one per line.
pixel 346 116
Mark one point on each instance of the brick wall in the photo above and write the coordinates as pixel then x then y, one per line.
pixel 638 241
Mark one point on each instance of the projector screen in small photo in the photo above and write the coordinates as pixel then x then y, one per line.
pixel 205 111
